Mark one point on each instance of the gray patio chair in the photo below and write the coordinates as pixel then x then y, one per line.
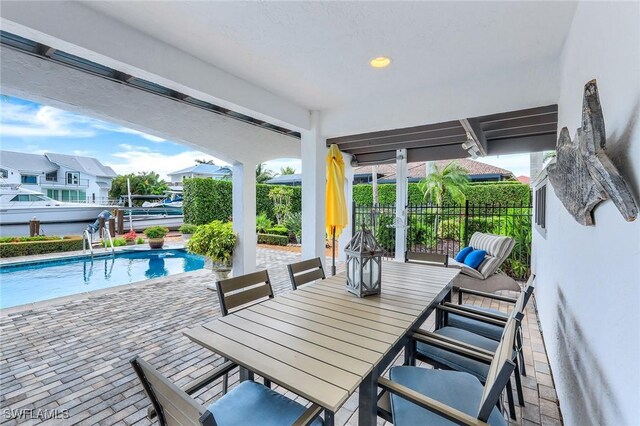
pixel 435 348
pixel 486 277
pixel 438 397
pixel 305 272
pixel 249 403
pixel 240 292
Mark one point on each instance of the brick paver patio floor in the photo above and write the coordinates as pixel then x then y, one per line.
pixel 74 355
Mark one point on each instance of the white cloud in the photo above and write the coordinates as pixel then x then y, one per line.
pixel 44 121
pixel 137 159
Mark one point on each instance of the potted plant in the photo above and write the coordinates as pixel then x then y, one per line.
pixel 155 235
pixel 187 230
pixel 215 240
pixel 131 237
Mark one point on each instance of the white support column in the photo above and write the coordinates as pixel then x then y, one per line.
pixel 402 197
pixel 244 217
pixel 314 153
pixel 348 196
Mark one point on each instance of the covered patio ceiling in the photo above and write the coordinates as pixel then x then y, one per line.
pixel 512 132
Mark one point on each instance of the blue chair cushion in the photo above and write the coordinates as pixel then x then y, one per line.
pixel 459 390
pixel 478 327
pixel 456 361
pixel 252 403
pixel 475 258
pixel 463 253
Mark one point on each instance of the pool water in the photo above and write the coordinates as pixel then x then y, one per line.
pixel 28 283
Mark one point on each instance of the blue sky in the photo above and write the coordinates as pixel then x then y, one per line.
pixel 31 127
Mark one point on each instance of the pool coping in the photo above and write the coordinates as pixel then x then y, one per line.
pixel 13 310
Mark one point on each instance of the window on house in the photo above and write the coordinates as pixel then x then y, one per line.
pixel 4 173
pixel 29 179
pixel 53 194
pixel 51 176
pixel 73 178
pixel 540 209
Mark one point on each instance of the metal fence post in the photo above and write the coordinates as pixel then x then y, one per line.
pixel 466 223
pixel 353 218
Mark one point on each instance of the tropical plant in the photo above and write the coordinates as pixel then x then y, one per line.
pixel 117 242
pixel 451 180
pixel 142 184
pixel 293 221
pixel 215 240
pixel 140 240
pixel 263 174
pixel 281 197
pixel 287 170
pixel 156 232
pixel 188 228
pixel 203 161
pixel 263 223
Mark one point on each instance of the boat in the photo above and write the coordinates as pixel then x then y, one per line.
pixel 19 206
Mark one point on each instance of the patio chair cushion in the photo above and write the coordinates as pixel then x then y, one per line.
pixel 478 327
pixel 463 253
pixel 498 247
pixel 251 403
pixel 475 258
pixel 465 269
pixel 459 390
pixel 455 361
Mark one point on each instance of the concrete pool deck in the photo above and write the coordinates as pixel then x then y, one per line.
pixel 73 356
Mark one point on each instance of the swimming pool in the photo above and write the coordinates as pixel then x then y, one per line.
pixel 33 282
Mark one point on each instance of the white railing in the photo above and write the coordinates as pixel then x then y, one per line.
pixel 106 231
pixel 87 238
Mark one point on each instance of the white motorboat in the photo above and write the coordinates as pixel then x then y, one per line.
pixel 19 206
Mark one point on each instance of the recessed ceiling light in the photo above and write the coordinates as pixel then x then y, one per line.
pixel 380 62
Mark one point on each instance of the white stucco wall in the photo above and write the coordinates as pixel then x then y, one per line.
pixel 588 278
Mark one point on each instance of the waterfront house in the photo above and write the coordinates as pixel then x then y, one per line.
pixel 199 170
pixel 58 176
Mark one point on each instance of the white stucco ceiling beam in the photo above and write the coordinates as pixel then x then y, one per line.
pixel 76 29
pixel 30 77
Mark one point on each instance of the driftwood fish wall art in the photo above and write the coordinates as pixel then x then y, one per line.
pixel 583 175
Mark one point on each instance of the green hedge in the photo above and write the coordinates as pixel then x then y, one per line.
pixel 278 230
pixel 477 193
pixel 274 240
pixel 205 200
pixel 23 239
pixel 40 247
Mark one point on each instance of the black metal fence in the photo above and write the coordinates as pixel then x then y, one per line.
pixel 447 228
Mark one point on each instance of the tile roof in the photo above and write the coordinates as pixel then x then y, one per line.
pixel 418 170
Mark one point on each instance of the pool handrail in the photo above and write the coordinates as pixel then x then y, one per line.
pixel 86 237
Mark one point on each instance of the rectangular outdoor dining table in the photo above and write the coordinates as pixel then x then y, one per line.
pixel 322 342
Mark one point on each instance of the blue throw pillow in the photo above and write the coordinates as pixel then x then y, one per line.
pixel 475 258
pixel 463 254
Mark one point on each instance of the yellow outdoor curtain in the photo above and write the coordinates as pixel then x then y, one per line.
pixel 335 203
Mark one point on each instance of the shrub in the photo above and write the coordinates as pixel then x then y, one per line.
pixel 385 235
pixel 215 240
pixel 154 232
pixel 140 240
pixel 117 242
pixel 281 197
pixel 274 240
pixel 263 223
pixel 450 229
pixel 26 248
pixel 25 239
pixel 277 230
pixel 188 228
pixel 293 221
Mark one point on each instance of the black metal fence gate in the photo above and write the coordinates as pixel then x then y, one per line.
pixel 446 229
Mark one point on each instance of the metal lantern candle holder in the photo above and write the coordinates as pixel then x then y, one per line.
pixel 364 264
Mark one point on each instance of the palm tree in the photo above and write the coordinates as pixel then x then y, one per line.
pixel 203 161
pixel 262 173
pixel 287 170
pixel 451 179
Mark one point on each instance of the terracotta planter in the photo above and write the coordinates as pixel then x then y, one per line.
pixel 156 243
